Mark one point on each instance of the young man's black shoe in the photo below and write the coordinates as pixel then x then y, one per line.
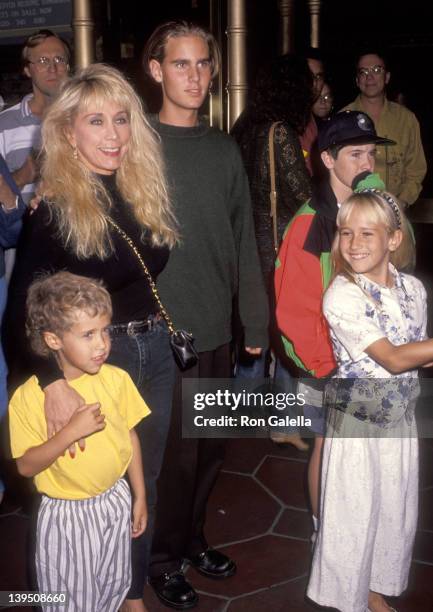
pixel 174 591
pixel 213 564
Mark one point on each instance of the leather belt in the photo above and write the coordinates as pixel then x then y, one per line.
pixel 136 327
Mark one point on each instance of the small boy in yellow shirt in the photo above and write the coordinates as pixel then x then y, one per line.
pixel 83 538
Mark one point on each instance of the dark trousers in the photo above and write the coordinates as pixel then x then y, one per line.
pixel 188 475
pixel 148 359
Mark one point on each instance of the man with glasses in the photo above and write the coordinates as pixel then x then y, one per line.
pixel 45 59
pixel 402 167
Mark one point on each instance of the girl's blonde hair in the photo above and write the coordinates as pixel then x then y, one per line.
pixel 382 208
pixel 78 199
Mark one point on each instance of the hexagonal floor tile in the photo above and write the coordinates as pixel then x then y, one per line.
pixel 425 519
pixel 238 508
pixel 423 550
pixel 13 538
pixel 261 563
pixel 286 479
pixel 426 463
pixel 245 455
pixel 206 602
pixel 294 523
pixel 419 595
pixel 282 598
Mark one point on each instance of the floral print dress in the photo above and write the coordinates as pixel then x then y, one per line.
pixel 369 501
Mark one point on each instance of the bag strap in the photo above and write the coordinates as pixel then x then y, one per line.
pixel 147 274
pixel 273 192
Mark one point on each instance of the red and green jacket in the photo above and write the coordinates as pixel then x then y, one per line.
pixel 302 275
pixel 303 272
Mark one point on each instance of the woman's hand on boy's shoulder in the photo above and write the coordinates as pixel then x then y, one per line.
pixel 139 517
pixel 61 402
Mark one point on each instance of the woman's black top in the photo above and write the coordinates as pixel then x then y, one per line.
pixel 40 249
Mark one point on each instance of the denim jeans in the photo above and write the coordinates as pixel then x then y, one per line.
pixel 285 383
pixel 189 472
pixel 148 359
pixel 251 367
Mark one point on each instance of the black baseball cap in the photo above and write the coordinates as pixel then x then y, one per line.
pixel 349 128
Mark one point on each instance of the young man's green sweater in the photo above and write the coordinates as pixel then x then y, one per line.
pixel 217 256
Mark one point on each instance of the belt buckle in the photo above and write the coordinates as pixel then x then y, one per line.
pixel 130 330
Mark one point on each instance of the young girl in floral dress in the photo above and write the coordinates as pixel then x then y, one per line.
pixel 377 318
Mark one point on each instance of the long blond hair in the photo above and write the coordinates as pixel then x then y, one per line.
pixel 77 197
pixel 381 208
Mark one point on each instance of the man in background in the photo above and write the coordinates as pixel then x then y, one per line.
pixel 402 167
pixel 45 59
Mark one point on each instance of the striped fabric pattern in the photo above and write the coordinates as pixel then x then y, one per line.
pixel 84 549
pixel 20 132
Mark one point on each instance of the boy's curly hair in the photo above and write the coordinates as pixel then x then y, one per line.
pixel 53 302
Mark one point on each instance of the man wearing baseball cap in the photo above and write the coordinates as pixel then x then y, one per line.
pixel 347 144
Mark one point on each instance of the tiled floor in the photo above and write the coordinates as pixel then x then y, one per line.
pixel 258 515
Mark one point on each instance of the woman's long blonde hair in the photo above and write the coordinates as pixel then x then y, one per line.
pixel 76 196
pixel 378 210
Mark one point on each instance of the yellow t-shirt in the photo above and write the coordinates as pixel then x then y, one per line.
pixel 107 453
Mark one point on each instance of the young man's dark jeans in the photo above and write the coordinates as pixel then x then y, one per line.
pixel 190 469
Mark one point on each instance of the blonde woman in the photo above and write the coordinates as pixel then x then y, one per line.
pixel 102 163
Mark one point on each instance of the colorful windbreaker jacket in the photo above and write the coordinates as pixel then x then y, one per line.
pixel 302 274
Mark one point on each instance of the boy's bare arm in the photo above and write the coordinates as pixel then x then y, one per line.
pixel 136 479
pixel 86 421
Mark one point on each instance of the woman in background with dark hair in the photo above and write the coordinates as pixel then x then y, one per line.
pixel 282 95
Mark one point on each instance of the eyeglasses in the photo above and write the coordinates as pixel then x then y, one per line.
pixel 43 63
pixel 326 98
pixel 364 72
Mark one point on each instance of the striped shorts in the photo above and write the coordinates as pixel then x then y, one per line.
pixel 83 548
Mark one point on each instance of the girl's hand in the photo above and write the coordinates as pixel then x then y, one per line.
pixel 139 517
pixel 86 421
pixel 253 350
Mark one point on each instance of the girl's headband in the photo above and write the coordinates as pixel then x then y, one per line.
pixel 390 200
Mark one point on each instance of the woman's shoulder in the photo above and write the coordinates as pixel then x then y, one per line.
pixel 39 231
pixel 41 213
